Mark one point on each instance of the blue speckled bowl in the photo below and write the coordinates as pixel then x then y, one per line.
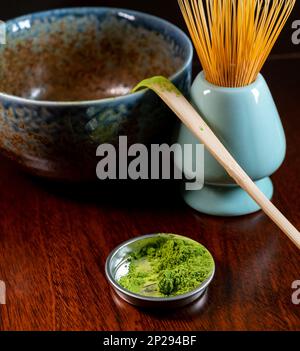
pixel 61 74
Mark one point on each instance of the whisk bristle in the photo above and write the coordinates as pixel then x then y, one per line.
pixel 233 38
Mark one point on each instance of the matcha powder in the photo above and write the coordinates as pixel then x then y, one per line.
pixel 167 265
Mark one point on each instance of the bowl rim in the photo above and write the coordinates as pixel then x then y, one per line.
pixel 72 10
pixel 138 297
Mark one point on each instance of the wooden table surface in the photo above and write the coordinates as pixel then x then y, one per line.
pixel 54 241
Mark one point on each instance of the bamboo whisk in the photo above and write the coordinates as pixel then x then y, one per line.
pixel 233 38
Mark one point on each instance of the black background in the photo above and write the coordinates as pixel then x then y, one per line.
pixel 167 9
pixel 94 340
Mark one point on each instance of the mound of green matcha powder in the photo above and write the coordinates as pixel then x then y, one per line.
pixel 167 265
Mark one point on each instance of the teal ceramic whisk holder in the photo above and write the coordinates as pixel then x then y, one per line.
pixel 247 121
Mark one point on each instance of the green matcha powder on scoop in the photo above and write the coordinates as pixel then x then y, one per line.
pixel 168 265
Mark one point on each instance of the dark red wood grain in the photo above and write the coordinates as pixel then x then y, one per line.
pixel 54 241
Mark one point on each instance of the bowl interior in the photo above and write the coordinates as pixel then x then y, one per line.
pixel 76 55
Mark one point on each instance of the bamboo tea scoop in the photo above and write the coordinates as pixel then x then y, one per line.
pixel 196 124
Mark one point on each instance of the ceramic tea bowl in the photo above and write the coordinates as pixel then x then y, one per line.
pixel 65 82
